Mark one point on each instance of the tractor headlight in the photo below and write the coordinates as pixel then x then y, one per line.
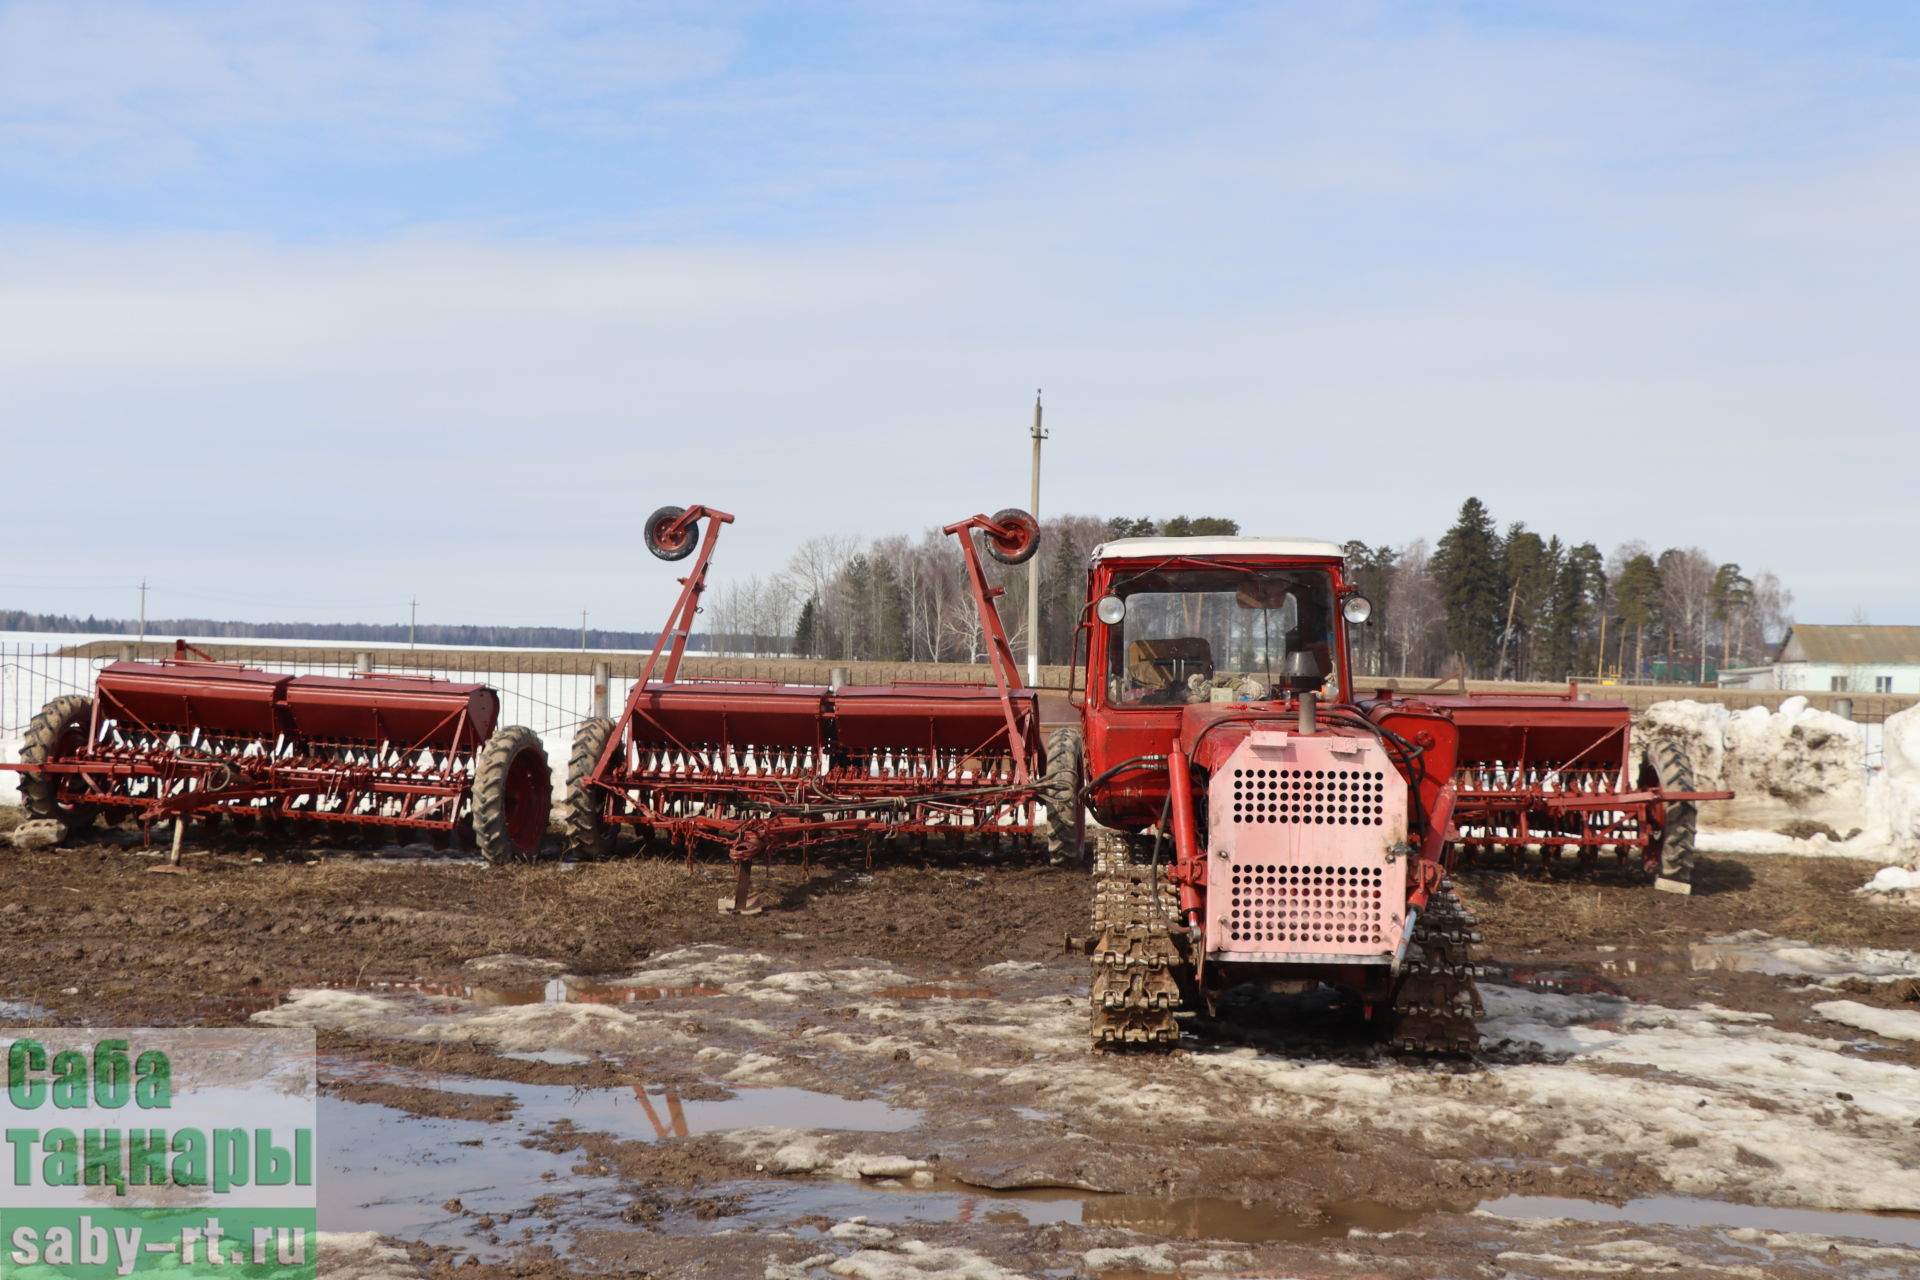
pixel 1110 610
pixel 1356 609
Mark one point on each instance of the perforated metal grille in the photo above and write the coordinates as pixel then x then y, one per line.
pixel 1274 902
pixel 1338 797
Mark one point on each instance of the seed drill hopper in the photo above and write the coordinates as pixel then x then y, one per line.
pixel 193 738
pixel 754 767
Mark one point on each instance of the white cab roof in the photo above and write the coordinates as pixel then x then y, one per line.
pixel 1214 548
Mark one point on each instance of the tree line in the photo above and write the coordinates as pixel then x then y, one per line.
pixel 1480 602
pixel 1520 606
pixel 1514 605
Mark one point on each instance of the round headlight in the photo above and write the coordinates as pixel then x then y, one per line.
pixel 1357 609
pixel 1110 610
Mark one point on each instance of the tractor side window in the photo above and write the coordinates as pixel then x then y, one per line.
pixel 1220 635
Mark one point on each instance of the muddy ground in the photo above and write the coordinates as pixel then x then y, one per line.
pixel 587 1069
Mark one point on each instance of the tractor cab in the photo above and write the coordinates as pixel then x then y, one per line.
pixel 1243 624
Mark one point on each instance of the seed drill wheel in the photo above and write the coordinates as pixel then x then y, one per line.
pixel 589 833
pixel 666 544
pixel 57 733
pixel 512 795
pixel 1060 791
pixel 1671 823
pixel 1021 540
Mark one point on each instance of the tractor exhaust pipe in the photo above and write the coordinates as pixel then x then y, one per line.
pixel 1309 713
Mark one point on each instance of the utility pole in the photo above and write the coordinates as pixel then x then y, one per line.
pixel 583 631
pixel 143 609
pixel 413 620
pixel 1033 565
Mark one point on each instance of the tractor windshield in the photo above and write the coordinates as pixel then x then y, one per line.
pixel 1220 635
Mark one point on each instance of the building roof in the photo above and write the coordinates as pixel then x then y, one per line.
pixel 1852 646
pixel 1223 548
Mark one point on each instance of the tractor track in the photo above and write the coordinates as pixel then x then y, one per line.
pixel 1436 1003
pixel 1140 964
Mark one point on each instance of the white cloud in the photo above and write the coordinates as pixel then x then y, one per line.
pixel 1323 272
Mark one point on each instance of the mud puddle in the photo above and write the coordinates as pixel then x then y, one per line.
pixel 640 1111
pixel 437 1180
pixel 1687 1211
pixel 1168 1217
pixel 485 1187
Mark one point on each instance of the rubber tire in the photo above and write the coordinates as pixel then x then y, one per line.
pixel 589 834
pixel 1015 516
pixel 507 826
pixel 665 516
pixel 1060 790
pixel 49 736
pixel 1670 766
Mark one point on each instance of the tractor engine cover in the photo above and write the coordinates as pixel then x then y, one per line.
pixel 1307 852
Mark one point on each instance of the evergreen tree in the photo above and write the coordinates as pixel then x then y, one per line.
pixel 806 640
pixel 1467 567
pixel 1638 594
pixel 1200 527
pixel 1370 571
pixel 1060 602
pixel 1527 566
pixel 1125 527
pixel 1732 593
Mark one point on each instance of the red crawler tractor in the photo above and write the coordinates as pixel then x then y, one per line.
pixel 191 738
pixel 1268 825
pixel 754 767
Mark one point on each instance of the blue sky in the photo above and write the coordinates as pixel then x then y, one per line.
pixel 309 308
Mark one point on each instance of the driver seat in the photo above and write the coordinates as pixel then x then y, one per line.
pixel 1166 664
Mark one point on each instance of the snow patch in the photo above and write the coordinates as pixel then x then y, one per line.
pixel 1901 884
pixel 360 1255
pixel 917 1260
pixel 1753 951
pixel 523 1028
pixel 1143 1257
pixel 1894 1024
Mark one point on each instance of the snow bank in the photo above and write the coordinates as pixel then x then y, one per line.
pixel 1794 763
pixel 1799 765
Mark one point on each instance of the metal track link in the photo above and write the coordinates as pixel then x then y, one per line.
pixel 1436 1003
pixel 1137 958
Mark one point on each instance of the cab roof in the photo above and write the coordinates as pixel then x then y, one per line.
pixel 1216 548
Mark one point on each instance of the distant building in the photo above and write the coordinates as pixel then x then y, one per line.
pixel 1843 659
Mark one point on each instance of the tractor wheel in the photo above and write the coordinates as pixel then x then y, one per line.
pixel 1060 791
pixel 512 795
pixel 678 549
pixel 1020 544
pixel 57 733
pixel 589 834
pixel 1670 850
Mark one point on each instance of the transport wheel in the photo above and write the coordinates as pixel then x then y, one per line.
pixel 1672 822
pixel 59 732
pixel 512 795
pixel 1018 547
pixel 1060 791
pixel 589 834
pixel 680 547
